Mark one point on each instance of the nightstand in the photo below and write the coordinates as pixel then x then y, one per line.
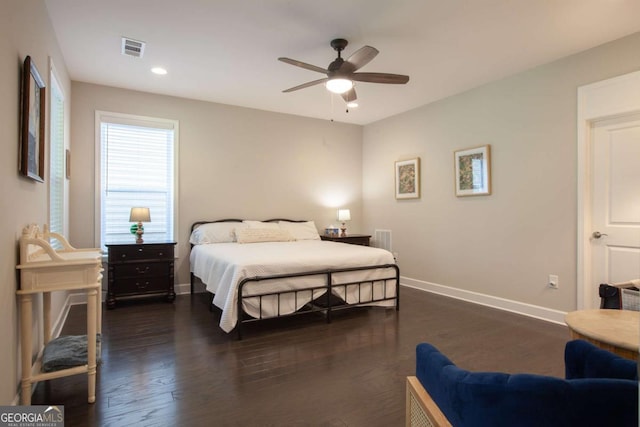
pixel 352 239
pixel 140 270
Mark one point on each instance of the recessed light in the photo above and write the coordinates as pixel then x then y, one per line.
pixel 352 104
pixel 159 71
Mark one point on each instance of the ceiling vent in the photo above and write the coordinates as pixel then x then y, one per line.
pixel 131 47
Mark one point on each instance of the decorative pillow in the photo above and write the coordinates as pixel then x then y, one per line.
pixel 301 230
pixel 215 232
pixel 260 224
pixel 255 235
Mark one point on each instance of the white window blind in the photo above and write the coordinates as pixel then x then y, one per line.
pixel 137 170
pixel 57 161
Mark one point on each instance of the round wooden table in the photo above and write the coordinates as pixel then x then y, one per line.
pixel 617 331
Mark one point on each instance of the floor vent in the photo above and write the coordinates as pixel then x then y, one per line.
pixel 131 47
pixel 382 239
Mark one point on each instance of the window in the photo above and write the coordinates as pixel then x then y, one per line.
pixel 57 156
pixel 137 169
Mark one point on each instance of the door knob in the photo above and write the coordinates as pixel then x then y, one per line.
pixel 597 234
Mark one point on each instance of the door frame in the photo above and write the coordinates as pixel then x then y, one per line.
pixel 615 97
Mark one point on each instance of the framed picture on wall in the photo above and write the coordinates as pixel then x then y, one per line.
pixel 408 179
pixel 473 171
pixel 67 163
pixel 33 121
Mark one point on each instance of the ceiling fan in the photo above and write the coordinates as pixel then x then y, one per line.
pixel 341 74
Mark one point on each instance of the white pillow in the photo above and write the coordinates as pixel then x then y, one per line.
pixel 215 232
pixel 255 235
pixel 260 224
pixel 301 230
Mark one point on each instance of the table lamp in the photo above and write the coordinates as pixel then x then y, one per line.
pixel 344 215
pixel 139 215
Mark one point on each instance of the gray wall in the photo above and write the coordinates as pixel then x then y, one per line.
pixel 233 163
pixel 24 30
pixel 506 244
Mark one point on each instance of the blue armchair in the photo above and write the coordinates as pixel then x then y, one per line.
pixel 600 389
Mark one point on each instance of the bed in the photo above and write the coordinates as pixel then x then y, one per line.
pixel 257 270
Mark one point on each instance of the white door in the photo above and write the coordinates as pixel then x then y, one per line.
pixel 598 103
pixel 615 201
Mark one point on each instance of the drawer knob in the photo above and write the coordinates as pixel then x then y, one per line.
pixel 160 254
pixel 124 255
pixel 140 250
pixel 142 271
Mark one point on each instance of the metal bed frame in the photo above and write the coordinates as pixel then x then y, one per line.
pixel 325 304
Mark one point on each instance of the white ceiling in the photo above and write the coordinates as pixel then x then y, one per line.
pixel 226 51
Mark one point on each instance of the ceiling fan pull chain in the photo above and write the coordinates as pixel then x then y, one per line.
pixel 331 97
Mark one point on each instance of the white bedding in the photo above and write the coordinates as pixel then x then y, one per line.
pixel 221 267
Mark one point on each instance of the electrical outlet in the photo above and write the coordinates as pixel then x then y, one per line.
pixel 553 281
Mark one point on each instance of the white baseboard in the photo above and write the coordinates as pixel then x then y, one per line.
pixel 543 313
pixel 182 288
pixel 57 326
pixel 535 311
pixel 185 288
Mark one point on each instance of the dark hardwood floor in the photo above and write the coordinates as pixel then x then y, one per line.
pixel 170 364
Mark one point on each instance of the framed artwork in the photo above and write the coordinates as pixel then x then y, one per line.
pixel 408 179
pixel 33 121
pixel 473 171
pixel 67 163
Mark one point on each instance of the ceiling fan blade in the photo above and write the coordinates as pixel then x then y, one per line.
pixel 359 59
pixel 350 95
pixel 302 86
pixel 303 65
pixel 397 79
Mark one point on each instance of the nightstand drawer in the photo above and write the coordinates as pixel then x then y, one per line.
pixel 141 270
pixel 142 285
pixel 139 252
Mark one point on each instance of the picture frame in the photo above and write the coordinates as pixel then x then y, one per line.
pixel 407 180
pixel 33 122
pixel 67 163
pixel 473 171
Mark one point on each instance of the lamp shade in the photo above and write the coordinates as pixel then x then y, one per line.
pixel 339 85
pixel 344 215
pixel 140 215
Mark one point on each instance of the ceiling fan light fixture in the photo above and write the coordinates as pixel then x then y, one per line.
pixel 339 85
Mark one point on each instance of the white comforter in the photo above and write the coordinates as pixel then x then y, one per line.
pixel 222 266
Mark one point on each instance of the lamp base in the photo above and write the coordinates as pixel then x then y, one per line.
pixel 139 233
pixel 343 231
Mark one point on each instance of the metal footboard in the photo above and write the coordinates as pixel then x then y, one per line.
pixel 364 297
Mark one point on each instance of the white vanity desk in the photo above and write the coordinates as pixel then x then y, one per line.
pixel 44 270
